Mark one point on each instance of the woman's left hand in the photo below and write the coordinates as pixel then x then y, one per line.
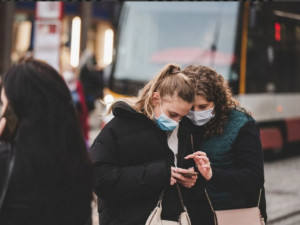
pixel 202 163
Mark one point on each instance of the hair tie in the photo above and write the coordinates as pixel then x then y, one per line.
pixel 176 71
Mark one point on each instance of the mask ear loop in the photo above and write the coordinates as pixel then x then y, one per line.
pixel 160 105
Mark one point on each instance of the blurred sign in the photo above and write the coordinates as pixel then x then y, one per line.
pixel 47 41
pixel 48 32
pixel 49 10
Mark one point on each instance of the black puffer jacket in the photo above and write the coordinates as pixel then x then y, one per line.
pixel 132 165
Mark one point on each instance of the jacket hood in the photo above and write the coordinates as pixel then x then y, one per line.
pixel 123 109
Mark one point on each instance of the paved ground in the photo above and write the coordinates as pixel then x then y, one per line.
pixel 282 185
pixel 283 190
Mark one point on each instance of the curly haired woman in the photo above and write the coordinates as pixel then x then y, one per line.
pixel 224 141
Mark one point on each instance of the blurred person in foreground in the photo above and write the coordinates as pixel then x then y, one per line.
pixel 46 175
pixel 224 141
pixel 134 157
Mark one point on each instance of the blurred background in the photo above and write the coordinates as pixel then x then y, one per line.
pixel 108 50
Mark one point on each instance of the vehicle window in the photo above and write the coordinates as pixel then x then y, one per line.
pixel 153 34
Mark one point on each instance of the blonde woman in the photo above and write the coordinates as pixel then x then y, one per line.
pixel 132 160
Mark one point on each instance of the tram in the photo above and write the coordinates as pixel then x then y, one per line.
pixel 254 45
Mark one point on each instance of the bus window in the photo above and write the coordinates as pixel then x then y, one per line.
pixel 153 34
pixel 273 50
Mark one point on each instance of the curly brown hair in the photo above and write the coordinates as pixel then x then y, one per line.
pixel 213 88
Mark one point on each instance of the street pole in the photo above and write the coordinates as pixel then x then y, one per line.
pixel 8 20
pixel 86 15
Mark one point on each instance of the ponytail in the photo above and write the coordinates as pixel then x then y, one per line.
pixel 168 82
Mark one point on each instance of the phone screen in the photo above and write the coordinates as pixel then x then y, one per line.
pixel 189 174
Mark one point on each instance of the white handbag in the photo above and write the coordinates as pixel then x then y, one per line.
pixel 155 216
pixel 244 216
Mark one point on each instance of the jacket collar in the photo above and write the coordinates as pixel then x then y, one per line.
pixel 123 109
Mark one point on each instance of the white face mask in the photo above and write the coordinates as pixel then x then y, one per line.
pixel 200 118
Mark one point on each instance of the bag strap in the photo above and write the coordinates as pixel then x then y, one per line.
pixel 259 197
pixel 179 195
pixel 161 198
pixel 211 206
pixel 180 198
pixel 12 156
pixel 209 201
pixel 192 143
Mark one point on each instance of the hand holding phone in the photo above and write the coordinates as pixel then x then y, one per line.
pixel 189 174
pixel 185 177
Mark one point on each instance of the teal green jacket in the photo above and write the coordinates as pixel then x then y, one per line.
pixel 219 149
pixel 221 153
pixel 237 163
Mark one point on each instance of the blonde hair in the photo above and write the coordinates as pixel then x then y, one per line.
pixel 168 82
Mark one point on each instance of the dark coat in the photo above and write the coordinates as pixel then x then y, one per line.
pixel 244 179
pixel 132 165
pixel 28 201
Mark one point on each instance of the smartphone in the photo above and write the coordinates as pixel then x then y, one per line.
pixel 11 126
pixel 189 174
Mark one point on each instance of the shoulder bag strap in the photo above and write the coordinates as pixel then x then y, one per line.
pixel 11 164
pixel 259 197
pixel 160 198
pixel 207 196
pixel 211 206
pixel 192 143
pixel 180 197
pixel 209 201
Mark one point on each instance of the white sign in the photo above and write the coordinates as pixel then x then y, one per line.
pixel 49 10
pixel 47 41
pixel 47 33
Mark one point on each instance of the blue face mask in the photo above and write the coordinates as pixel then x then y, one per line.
pixel 164 122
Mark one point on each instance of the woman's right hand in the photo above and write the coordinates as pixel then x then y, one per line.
pixel 173 176
pixel 176 176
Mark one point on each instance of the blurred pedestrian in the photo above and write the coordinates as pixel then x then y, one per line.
pixel 78 97
pixel 133 163
pixel 224 141
pixel 47 177
pixel 91 78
